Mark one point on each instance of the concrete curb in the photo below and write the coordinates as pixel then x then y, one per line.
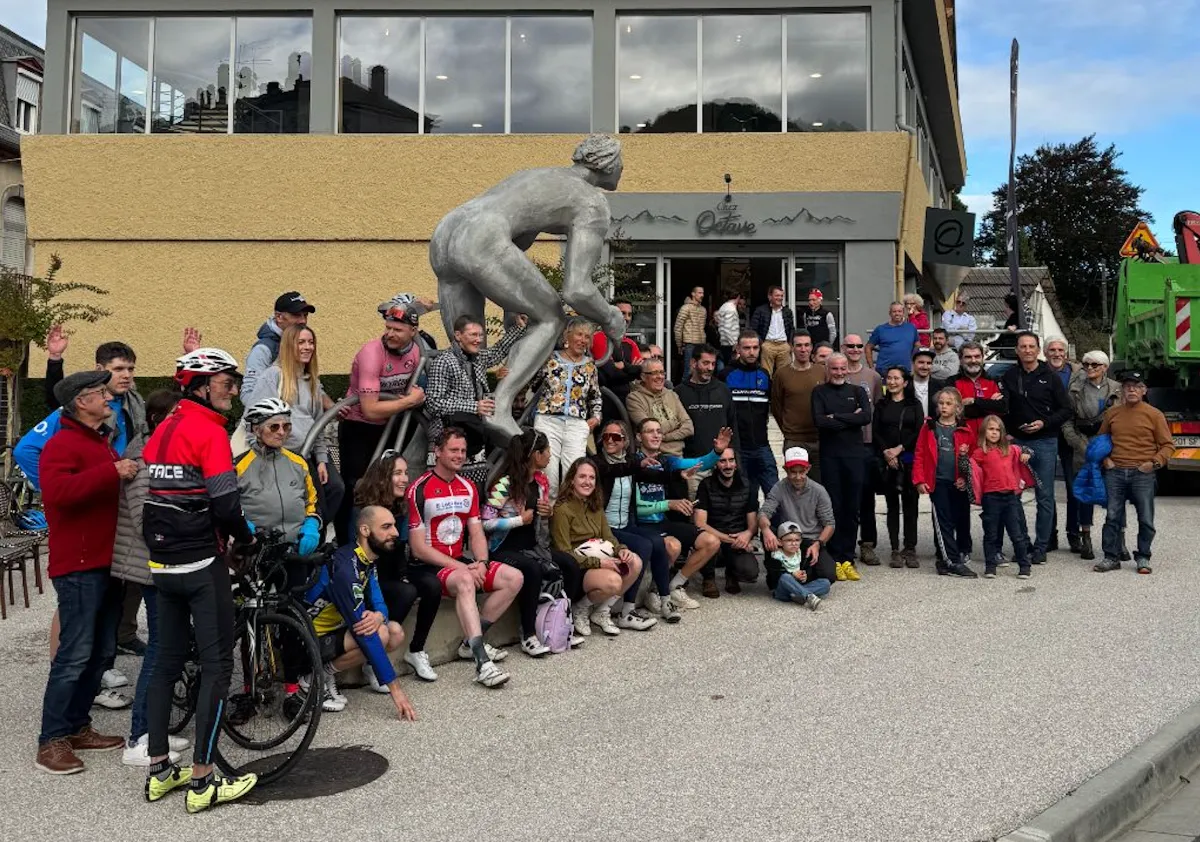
pixel 1122 793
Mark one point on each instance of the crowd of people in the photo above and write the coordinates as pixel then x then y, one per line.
pixel 144 497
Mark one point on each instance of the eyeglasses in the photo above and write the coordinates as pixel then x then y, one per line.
pixel 1093 365
pixel 613 437
pixel 285 426
pixel 656 374
pixel 859 345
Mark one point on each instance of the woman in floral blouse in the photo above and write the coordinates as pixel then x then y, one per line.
pixel 568 400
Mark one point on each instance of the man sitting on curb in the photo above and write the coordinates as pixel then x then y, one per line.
pixel 803 502
pixel 727 507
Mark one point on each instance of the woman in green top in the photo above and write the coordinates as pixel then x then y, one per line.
pixel 578 518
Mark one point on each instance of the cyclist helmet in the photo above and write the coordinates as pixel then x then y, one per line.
pixel 401 308
pixel 267 408
pixel 203 362
pixel 32 520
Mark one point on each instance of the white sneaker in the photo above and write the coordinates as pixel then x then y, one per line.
pixel 654 604
pixel 495 655
pixel 138 752
pixel 602 617
pixel 419 661
pixel 576 640
pixel 490 675
pixel 330 703
pixel 813 602
pixel 533 647
pixel 112 700
pixel 670 613
pixel 112 679
pixel 580 620
pixel 637 620
pixel 369 674
pixel 331 688
pixel 682 600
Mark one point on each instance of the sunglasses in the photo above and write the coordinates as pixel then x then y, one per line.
pixel 285 426
pixel 1093 365
pixel 613 437
pixel 859 345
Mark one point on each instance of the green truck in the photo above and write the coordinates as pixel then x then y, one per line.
pixel 1152 332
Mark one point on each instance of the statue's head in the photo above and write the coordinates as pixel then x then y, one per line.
pixel 602 155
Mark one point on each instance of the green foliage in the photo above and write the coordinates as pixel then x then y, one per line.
pixel 1075 208
pixel 30 306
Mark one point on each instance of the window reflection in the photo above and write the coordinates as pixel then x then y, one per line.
pixel 380 78
pixel 191 75
pixel 743 73
pixel 464 75
pixel 827 72
pixel 274 72
pixel 821 272
pixel 551 74
pixel 109 89
pixel 656 62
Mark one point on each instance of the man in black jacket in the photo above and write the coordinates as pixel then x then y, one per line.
pixel 840 411
pixel 1037 409
pixel 727 507
pixel 708 404
pixel 774 323
pixel 750 389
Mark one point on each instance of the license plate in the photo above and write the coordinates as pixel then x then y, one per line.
pixel 1187 441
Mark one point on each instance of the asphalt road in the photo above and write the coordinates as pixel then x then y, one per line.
pixel 914 707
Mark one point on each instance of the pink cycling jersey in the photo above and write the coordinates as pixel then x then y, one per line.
pixel 377 369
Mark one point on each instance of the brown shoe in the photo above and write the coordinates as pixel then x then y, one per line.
pixel 867 554
pixel 709 589
pixel 89 739
pixel 732 585
pixel 897 559
pixel 910 558
pixel 57 758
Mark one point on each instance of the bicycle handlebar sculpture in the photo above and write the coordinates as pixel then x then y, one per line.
pixel 477 253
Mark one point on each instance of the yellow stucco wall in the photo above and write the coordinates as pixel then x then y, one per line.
pixel 208 230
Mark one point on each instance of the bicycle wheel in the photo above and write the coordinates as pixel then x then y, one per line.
pixel 267 733
pixel 183 697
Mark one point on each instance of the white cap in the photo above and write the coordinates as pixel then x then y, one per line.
pixel 795 456
pixel 788 527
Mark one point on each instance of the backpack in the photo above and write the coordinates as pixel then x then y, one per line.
pixel 553 624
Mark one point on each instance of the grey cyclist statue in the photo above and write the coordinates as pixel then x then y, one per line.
pixel 477 252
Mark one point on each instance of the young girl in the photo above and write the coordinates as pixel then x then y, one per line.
pixel 803 580
pixel 999 475
pixel 936 472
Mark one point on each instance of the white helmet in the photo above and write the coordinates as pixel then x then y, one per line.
pixel 203 362
pixel 267 408
pixel 596 548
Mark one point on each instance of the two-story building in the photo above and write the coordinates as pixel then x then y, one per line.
pixel 200 157
pixel 21 68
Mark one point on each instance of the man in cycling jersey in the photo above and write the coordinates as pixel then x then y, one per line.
pixel 383 365
pixel 443 509
pixel 193 504
pixel 349 614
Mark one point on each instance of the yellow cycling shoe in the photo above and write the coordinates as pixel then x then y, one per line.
pixel 219 791
pixel 850 573
pixel 156 789
pixel 840 570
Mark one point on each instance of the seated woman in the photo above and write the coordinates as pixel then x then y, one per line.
pixel 609 569
pixel 384 484
pixel 516 511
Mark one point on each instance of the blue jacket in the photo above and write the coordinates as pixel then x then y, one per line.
pixel 346 587
pixel 652 497
pixel 1089 482
pixel 28 451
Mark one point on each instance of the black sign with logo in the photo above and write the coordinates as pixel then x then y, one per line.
pixel 724 221
pixel 949 237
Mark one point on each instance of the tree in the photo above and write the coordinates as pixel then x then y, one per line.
pixel 1075 207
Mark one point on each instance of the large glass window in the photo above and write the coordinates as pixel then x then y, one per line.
pixel 274 75
pixel 827 71
pixel 109 80
pixel 743 73
pixel 551 88
pixel 481 75
pixel 749 76
pixel 656 65
pixel 381 74
pixel 191 75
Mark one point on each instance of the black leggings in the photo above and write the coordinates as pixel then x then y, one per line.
pixel 201 600
pixel 356 445
pixel 425 590
pixel 531 589
pixel 902 497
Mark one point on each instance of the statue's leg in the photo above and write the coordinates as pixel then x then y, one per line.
pixel 584 247
pixel 457 296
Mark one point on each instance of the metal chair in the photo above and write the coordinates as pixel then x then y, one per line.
pixel 18 547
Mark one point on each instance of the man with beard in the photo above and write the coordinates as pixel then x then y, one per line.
pixel 750 388
pixel 727 508
pixel 624 367
pixel 945 358
pixel 924 384
pixel 791 398
pixel 348 611
pixel 981 394
pixel 708 403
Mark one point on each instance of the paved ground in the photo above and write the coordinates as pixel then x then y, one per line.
pixel 913 708
pixel 1175 820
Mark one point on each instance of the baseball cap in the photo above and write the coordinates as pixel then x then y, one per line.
pixel 293 302
pixel 1132 377
pixel 72 386
pixel 924 352
pixel 794 456
pixel 817 293
pixel 788 527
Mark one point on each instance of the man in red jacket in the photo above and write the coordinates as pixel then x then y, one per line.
pixel 81 478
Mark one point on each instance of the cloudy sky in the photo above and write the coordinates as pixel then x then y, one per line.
pixel 1124 70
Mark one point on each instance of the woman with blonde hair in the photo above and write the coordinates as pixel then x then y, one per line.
pixel 568 400
pixel 914 308
pixel 295 379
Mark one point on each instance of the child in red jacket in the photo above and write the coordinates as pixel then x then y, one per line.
pixel 937 472
pixel 999 475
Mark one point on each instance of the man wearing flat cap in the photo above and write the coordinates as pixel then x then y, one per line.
pixel 81 478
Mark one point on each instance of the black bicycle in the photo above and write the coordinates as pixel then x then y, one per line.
pixel 268 729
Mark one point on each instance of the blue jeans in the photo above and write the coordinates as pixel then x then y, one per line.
pixel 789 589
pixel 89 609
pixel 1129 485
pixel 1042 462
pixel 639 538
pixel 641 547
pixel 689 351
pixel 759 465
pixel 138 725
pixel 1001 513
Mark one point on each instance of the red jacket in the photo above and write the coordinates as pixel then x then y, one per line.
pixel 993 471
pixel 81 494
pixel 987 399
pixel 926 459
